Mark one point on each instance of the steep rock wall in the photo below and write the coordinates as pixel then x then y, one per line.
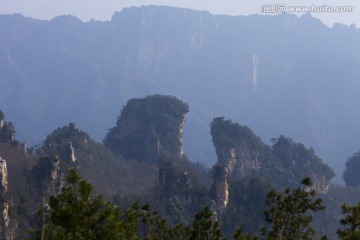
pixel 148 128
pixel 6 230
pixel 47 176
pixel 221 188
pixel 242 154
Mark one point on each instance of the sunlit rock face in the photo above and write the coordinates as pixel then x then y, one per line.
pixel 221 188
pixel 4 207
pixel 3 175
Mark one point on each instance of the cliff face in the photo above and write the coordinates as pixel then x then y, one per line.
pixel 47 176
pixel 6 230
pixel 237 148
pixel 148 128
pixel 241 154
pixel 3 175
pixel 221 188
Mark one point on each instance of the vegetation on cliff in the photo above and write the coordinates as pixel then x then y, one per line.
pixel 76 214
pixel 173 185
pixel 95 162
pixel 149 127
pixel 284 164
pixel 300 161
pixel 351 174
pixel 7 130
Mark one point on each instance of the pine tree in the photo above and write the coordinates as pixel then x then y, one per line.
pixel 351 222
pixel 205 227
pixel 75 215
pixel 239 235
pixel 290 213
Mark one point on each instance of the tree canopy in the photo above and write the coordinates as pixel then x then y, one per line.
pixel 351 174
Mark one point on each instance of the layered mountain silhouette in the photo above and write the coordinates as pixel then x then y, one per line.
pixel 278 74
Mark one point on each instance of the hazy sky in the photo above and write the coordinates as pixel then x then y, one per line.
pixel 103 9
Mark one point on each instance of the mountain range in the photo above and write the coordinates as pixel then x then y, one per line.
pixel 280 74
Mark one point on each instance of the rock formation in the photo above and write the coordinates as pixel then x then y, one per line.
pixel 3 175
pixel 7 130
pixel 149 127
pixel 221 188
pixel 6 231
pixel 237 148
pixel 241 154
pixel 48 176
pixel 300 161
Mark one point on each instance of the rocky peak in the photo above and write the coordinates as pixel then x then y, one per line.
pixel 237 147
pixel 149 127
pixel 241 154
pixel 7 130
pixel 300 161
pixel 63 142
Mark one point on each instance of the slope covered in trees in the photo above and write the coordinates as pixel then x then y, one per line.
pixel 175 187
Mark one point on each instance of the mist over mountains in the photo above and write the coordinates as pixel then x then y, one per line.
pixel 277 74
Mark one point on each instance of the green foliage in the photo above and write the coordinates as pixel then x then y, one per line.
pixel 298 160
pixel 351 174
pixel 246 203
pixel 289 213
pixel 75 214
pixel 351 223
pixel 228 134
pixel 239 235
pixel 178 194
pixel 156 227
pixel 205 227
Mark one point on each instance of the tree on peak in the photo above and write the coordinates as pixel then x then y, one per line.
pixel 227 133
pixel 2 116
pixel 299 160
pixel 351 173
pixel 7 130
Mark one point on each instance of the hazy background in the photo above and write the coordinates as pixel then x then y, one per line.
pixel 306 85
pixel 103 10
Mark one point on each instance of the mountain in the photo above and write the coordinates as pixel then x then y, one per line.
pixel 241 155
pixel 149 128
pixel 141 160
pixel 292 73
